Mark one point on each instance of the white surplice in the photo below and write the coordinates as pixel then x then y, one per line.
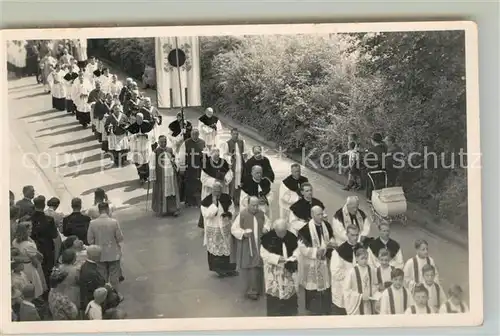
pixel 209 134
pixel 353 299
pixel 57 84
pixel 398 295
pixel 238 164
pixel 279 282
pixel 207 183
pixel 287 198
pixel 216 236
pixel 340 232
pixel 410 277
pixel 80 96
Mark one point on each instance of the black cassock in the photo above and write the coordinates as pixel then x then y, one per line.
pixel 175 128
pixel 70 78
pixel 302 208
pixel 264 163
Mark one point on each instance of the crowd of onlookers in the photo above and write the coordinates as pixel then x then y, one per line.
pixel 64 267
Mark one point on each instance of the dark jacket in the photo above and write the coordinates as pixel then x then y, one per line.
pixel 76 224
pixel 90 279
pixel 43 234
pixel 375 157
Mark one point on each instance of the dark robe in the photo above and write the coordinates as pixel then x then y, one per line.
pixel 339 215
pixel 375 245
pixel 159 203
pixel 216 169
pixel 209 121
pixel 294 184
pixel 274 244
pixel 150 114
pixel 193 161
pixel 144 128
pixel 317 302
pixel 175 128
pixel 101 109
pixel 302 208
pixel 124 95
pixel 267 170
pixel 96 95
pixel 70 77
pixel 251 188
pixel 220 264
pixel 131 107
pixel 43 233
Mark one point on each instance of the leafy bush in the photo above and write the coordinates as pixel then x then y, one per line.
pixel 132 55
pixel 312 91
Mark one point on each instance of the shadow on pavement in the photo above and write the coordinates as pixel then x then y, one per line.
pixel 128 185
pixel 39 114
pixel 62 132
pixel 59 116
pixel 83 159
pixel 90 171
pixel 32 95
pixel 51 128
pixel 84 149
pixel 75 142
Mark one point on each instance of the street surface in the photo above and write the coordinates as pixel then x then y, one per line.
pixel 165 264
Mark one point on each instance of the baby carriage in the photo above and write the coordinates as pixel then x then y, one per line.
pixel 388 203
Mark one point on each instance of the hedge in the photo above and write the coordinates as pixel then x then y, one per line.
pixel 310 92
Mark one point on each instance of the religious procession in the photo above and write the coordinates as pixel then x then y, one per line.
pixel 337 261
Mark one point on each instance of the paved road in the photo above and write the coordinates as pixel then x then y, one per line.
pixel 164 261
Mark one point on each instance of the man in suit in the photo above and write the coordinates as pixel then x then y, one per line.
pixel 91 278
pixel 105 232
pixel 25 205
pixel 44 233
pixel 76 224
pixel 27 310
pixel 374 160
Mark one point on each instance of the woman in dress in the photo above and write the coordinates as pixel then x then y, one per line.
pixel 69 285
pixel 60 305
pixel 27 248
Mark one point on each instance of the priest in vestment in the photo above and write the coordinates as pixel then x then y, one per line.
pixel 58 88
pixel 180 130
pixel 102 108
pixel 259 160
pixel 279 256
pixel 209 126
pixel 189 158
pixel 343 260
pixel 96 95
pixel 165 200
pixel 151 114
pixel 351 214
pixel 316 242
pixel 217 210
pixel 234 152
pixel 384 241
pixel 248 228
pixel 140 145
pixel 81 91
pixel 289 192
pixel 257 186
pixel 300 211
pixel 214 168
pixel 116 130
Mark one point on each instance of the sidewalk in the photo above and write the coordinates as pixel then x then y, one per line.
pixel 416 214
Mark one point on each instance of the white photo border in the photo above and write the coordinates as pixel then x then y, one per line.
pixel 473 318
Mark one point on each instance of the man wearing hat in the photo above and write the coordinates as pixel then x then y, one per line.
pixel 374 160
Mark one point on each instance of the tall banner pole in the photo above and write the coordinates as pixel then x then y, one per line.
pixel 179 77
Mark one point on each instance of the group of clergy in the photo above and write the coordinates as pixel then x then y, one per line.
pixel 342 270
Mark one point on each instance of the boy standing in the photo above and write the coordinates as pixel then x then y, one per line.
pixel 421 298
pixel 436 293
pixel 455 303
pixel 395 299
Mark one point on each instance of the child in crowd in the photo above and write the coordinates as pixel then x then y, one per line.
pixel 354 178
pixel 436 293
pixel 19 279
pixel 413 267
pixel 94 309
pixel 455 303
pixel 421 299
pixel 81 252
pixel 360 286
pixel 27 309
pixel 395 299
pixel 384 271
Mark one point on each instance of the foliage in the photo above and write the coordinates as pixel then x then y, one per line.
pixel 131 54
pixel 312 91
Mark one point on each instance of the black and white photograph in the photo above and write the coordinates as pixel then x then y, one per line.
pixel 277 177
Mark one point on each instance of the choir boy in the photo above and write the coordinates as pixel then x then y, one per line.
pixel 289 192
pixel 278 252
pixel 413 267
pixel 455 303
pixel 421 302
pixel 395 299
pixel 436 293
pixel 384 270
pixel 360 286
